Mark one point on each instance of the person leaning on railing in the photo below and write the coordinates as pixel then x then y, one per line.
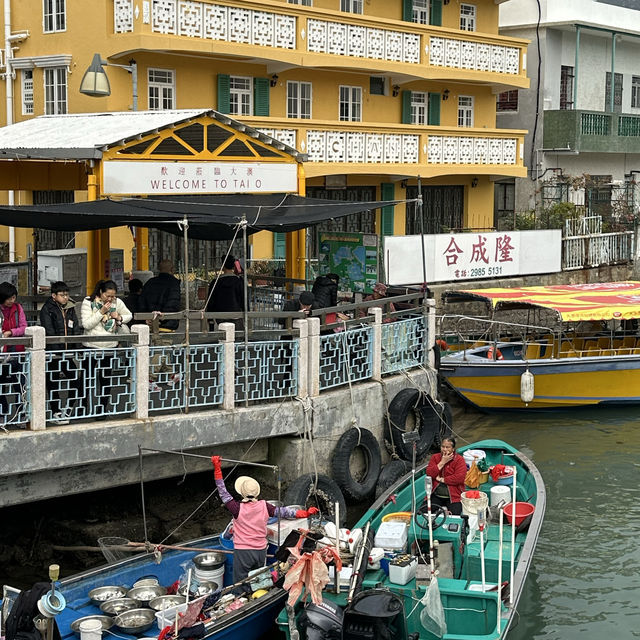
pixel 103 314
pixel 379 293
pixel 58 317
pixel 14 324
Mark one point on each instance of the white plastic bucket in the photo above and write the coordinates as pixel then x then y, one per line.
pixel 213 575
pixel 90 630
pixel 500 493
pixel 470 506
pixel 473 454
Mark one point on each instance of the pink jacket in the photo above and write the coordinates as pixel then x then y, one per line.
pixel 14 320
pixel 453 472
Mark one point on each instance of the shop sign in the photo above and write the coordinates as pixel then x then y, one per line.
pixel 165 178
pixel 472 256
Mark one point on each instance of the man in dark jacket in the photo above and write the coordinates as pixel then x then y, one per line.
pixel 226 293
pixel 162 294
pixel 325 290
pixel 132 301
pixel 58 317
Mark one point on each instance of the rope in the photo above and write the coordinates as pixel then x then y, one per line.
pixel 307 407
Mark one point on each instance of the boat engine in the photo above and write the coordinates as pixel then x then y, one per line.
pixel 375 614
pixel 321 621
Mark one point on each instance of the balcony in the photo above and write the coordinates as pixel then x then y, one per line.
pixel 405 149
pixel 313 37
pixel 592 131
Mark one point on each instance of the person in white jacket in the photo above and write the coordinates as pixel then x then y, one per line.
pixel 102 314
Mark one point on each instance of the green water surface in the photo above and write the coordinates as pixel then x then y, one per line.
pixel 584 583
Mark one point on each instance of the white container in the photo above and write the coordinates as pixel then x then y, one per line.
pixel 500 493
pixel 391 536
pixel 90 630
pixel 375 556
pixel 473 454
pixel 167 617
pixel 213 575
pixel 402 571
pixel 470 506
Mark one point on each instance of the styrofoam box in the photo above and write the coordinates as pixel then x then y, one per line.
pixel 402 575
pixel 286 527
pixel 391 535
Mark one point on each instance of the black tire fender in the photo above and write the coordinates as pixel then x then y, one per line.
pixel 446 424
pixel 352 487
pixel 410 404
pixel 323 495
pixel 390 474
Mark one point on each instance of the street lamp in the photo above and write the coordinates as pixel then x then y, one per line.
pixel 95 82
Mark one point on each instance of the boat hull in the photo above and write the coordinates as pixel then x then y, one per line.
pixel 560 383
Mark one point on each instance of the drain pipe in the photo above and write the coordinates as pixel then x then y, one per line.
pixel 8 54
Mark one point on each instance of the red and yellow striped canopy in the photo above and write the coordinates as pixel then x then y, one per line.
pixel 572 302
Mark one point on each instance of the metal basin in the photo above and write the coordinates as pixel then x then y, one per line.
pixel 102 594
pixel 116 606
pixel 105 621
pixel 205 587
pixel 135 621
pixel 209 560
pixel 144 595
pixel 164 602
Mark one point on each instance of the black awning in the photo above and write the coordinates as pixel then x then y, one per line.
pixel 211 217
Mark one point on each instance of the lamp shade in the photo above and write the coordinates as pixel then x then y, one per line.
pixel 95 81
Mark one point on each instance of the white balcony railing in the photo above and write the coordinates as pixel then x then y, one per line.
pixel 205 20
pixel 394 148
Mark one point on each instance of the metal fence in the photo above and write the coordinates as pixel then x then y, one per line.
pixel 403 344
pixel 345 357
pixel 581 252
pixel 15 385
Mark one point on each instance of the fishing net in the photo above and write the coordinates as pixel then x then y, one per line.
pixel 432 614
pixel 110 548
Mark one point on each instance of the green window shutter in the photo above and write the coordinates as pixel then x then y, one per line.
pixel 261 96
pixel 406 107
pixel 386 217
pixel 436 13
pixel 407 10
pixel 224 92
pixel 434 109
pixel 279 245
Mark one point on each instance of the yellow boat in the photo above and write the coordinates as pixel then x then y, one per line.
pixel 577 345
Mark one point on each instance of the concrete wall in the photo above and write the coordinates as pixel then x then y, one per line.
pixel 75 459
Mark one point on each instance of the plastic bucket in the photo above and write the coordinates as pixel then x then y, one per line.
pixel 471 506
pixel 213 575
pixel 499 493
pixel 473 454
pixel 523 510
pixel 90 630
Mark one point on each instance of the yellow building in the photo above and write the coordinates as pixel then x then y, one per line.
pixel 377 93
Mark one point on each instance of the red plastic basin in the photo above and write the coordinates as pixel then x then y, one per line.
pixel 523 510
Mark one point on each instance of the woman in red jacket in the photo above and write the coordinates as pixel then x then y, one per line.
pixel 447 470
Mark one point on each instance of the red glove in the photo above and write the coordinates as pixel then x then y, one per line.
pixel 217 470
pixel 305 513
pixel 311 511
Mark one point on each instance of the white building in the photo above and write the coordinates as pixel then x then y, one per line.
pixel 580 133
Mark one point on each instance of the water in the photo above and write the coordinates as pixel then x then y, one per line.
pixel 584 583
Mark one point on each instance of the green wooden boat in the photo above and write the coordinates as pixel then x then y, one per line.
pixel 469 608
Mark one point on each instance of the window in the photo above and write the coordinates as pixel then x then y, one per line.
pixel 351 103
pixel 27 92
pixel 420 11
pixel 507 101
pixel 376 85
pixel 305 3
pixel 55 90
pixel 298 100
pixel 352 6
pixel 617 93
pixel 467 17
pixel 53 16
pixel 635 91
pixel 566 87
pixel 418 107
pixel 240 96
pixel 465 111
pixel 161 89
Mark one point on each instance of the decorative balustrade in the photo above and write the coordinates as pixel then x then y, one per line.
pixel 413 45
pixel 394 148
pixel 476 56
